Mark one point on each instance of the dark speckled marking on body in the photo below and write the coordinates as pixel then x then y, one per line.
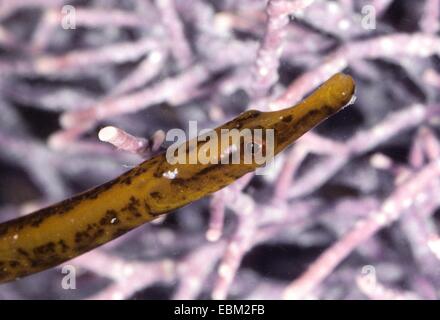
pixel 4 273
pixel 149 211
pixel 23 252
pixel 208 169
pixel 133 207
pixel 282 135
pixel 126 180
pixel 110 218
pixel 87 238
pixel 44 249
pixel 61 208
pixel 63 246
pixel 250 115
pixel 196 176
pixel 128 207
pixel 3 229
pixel 328 110
pixel 287 119
pixel 37 221
pixel 160 169
pixel 120 232
pixel 156 195
pixel 14 263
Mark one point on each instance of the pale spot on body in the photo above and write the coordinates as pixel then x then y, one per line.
pixel 171 174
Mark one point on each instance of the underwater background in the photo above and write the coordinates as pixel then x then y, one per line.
pixel 349 212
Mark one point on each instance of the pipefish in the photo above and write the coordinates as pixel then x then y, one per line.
pixel 67 229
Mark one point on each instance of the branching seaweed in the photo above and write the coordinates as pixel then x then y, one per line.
pixel 355 198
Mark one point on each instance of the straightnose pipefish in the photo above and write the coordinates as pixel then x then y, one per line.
pixel 52 235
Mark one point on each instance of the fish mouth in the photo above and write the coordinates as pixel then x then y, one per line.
pixel 341 91
pixel 331 97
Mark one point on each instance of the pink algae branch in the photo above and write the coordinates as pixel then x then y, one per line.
pixel 358 193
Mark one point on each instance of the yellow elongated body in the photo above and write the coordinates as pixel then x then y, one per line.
pixel 55 234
